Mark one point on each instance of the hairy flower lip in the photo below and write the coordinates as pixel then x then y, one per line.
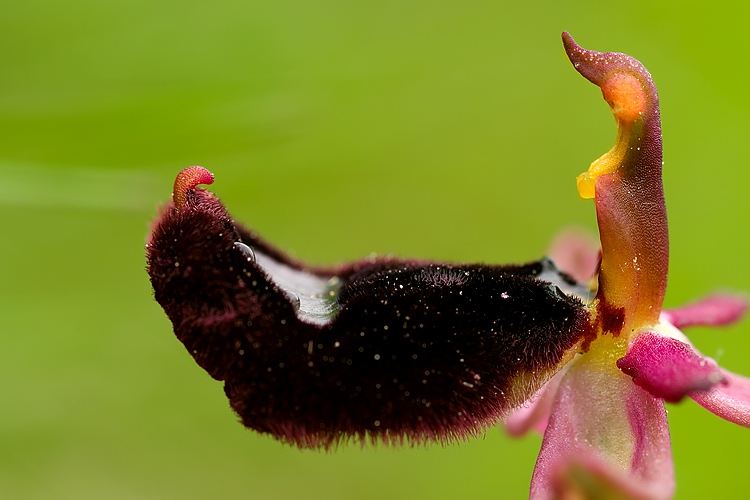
pixel 407 350
pixel 315 291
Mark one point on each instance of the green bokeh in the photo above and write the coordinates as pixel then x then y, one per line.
pixel 446 130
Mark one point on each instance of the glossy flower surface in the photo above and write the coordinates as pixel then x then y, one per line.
pixel 397 350
pixel 603 417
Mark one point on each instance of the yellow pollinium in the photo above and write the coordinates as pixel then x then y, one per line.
pixel 626 96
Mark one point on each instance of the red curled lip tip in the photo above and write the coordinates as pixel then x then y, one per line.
pixel 598 67
pixel 187 180
pixel 625 83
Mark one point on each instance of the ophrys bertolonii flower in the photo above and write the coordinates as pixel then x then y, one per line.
pixel 399 350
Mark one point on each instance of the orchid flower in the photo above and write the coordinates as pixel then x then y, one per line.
pixel 393 350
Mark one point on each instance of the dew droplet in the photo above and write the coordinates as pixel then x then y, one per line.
pixel 246 251
pixel 293 298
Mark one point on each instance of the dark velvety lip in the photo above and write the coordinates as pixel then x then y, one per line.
pixel 379 349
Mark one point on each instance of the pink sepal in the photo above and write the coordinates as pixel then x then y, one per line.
pixel 589 478
pixel 715 310
pixel 576 252
pixel 730 401
pixel 667 368
pixel 535 414
pixel 600 416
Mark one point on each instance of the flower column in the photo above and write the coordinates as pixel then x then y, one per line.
pixel 604 428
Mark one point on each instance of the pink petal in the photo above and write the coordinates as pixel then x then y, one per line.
pixel 601 417
pixel 730 401
pixel 716 310
pixel 594 479
pixel 667 368
pixel 576 252
pixel 535 414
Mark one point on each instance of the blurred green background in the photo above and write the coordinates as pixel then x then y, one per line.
pixel 444 130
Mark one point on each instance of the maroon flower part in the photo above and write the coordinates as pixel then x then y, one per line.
pixel 382 349
pixel 576 346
